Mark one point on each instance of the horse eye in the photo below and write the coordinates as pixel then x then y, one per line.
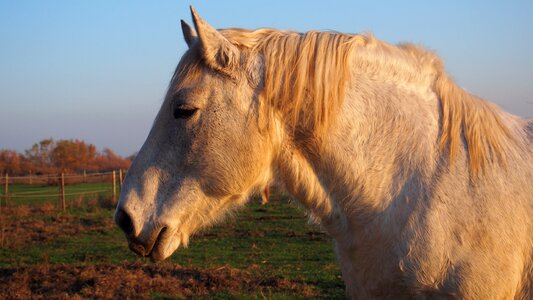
pixel 184 112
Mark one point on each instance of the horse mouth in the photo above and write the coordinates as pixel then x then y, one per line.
pixel 165 244
pixel 160 246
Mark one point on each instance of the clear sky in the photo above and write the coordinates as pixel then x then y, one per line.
pixel 97 70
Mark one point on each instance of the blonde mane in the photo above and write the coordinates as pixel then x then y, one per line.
pixel 464 115
pixel 305 75
pixel 305 79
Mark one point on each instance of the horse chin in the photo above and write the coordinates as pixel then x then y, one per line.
pixel 166 243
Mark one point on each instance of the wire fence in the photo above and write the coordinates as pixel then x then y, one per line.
pixel 54 179
pixel 58 187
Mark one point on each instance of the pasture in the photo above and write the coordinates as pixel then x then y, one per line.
pixel 268 251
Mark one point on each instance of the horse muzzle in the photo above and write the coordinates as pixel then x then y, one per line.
pixel 154 246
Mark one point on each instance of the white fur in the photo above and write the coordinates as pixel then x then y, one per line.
pixel 408 220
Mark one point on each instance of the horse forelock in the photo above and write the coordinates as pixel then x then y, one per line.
pixel 189 69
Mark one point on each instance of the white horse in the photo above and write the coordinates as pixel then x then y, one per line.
pixel 426 190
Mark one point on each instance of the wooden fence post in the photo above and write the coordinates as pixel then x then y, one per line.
pixel 120 178
pixel 114 186
pixel 6 190
pixel 62 192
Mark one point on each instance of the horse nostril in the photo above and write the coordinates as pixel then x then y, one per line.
pixel 123 220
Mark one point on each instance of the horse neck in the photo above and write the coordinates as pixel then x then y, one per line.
pixel 383 140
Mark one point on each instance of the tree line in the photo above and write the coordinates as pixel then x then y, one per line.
pixel 68 156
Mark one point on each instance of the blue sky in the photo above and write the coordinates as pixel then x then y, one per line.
pixel 98 70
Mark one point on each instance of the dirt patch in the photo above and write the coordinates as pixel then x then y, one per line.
pixel 26 224
pixel 139 281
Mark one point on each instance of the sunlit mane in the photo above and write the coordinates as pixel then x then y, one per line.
pixel 306 75
pixel 463 116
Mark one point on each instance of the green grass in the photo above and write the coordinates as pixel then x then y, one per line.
pixel 23 194
pixel 276 238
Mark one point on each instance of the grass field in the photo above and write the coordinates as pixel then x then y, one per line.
pixel 40 194
pixel 268 251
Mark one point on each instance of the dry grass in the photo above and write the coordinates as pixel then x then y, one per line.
pixel 26 224
pixel 139 281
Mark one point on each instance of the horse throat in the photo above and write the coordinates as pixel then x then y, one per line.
pixel 301 179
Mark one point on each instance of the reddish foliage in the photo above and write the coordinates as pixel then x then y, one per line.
pixel 69 156
pixel 10 161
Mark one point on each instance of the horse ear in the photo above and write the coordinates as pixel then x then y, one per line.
pixel 189 34
pixel 217 51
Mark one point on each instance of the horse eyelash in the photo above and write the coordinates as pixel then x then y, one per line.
pixel 183 112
